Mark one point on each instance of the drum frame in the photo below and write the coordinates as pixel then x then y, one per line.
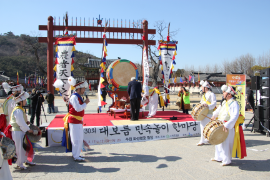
pixel 109 73
pixel 210 128
pixel 195 113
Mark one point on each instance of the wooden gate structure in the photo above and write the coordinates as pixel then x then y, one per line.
pixel 118 34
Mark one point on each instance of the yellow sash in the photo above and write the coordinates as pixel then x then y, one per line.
pixel 236 142
pixel 207 102
pixel 156 90
pixel 65 119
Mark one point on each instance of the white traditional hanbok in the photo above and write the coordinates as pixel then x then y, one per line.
pixel 228 113
pixel 153 104
pixel 74 120
pixel 208 98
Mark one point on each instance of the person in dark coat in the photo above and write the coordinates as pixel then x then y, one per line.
pixel 50 99
pixel 37 100
pixel 134 91
pixel 250 99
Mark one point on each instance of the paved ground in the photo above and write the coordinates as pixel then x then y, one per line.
pixel 163 159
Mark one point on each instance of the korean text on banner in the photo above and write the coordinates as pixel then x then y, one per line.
pixel 238 80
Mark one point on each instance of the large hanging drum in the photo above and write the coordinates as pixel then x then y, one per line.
pixel 213 131
pixel 120 72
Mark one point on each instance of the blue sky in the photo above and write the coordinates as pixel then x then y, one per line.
pixel 210 31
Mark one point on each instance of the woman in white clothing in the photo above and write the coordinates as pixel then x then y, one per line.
pixel 208 100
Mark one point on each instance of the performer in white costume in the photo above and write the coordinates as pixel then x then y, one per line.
pixel 228 113
pixel 150 97
pixel 18 122
pixel 153 102
pixel 4 167
pixel 74 118
pixel 8 104
pixel 209 100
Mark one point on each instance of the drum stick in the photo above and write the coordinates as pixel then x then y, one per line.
pixel 206 116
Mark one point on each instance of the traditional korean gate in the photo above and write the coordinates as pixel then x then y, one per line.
pixel 117 35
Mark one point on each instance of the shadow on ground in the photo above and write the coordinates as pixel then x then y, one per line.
pixel 252 143
pixel 252 165
pixel 56 163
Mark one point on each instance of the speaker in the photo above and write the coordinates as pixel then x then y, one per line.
pixel 265 82
pixel 257 126
pixel 266 112
pixel 265 102
pixel 265 72
pixel 265 92
pixel 266 124
pixel 255 83
pixel 259 112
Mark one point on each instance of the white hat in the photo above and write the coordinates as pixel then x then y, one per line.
pixel 17 88
pixel 24 95
pixel 7 87
pixel 205 84
pixel 231 90
pixel 224 87
pixel 77 84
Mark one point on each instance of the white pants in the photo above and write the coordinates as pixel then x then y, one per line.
pixel 17 137
pixel 202 125
pixel 153 104
pixel 76 136
pixel 223 151
pixel 5 172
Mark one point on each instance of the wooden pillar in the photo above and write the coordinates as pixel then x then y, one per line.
pixel 145 43
pixel 50 55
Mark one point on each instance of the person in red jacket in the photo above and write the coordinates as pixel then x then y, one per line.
pixel 74 119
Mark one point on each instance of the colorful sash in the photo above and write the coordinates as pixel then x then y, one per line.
pixel 65 119
pixel 239 144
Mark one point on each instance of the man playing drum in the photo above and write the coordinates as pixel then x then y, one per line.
pixel 228 113
pixel 209 100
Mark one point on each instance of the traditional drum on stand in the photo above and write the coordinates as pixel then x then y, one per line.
pixel 120 72
pixel 8 147
pixel 213 131
pixel 199 112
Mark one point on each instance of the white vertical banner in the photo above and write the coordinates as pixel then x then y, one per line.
pixel 167 53
pixel 145 68
pixel 63 70
pixel 64 64
pixel 166 57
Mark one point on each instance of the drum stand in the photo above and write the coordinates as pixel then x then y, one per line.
pixel 250 122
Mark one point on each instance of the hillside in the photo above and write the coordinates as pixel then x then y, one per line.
pixel 24 54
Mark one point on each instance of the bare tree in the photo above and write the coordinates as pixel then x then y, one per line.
pixel 215 68
pixel 153 55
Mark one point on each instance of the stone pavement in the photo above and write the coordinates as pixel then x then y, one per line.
pixel 162 159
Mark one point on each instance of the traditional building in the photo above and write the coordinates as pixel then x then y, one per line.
pixel 92 71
